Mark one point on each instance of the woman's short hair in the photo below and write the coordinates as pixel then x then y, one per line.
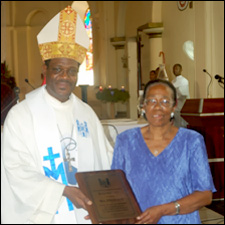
pixel 163 82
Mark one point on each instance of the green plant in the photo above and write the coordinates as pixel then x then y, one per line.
pixel 6 76
pixel 112 95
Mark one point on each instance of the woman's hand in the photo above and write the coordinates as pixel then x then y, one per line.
pixel 188 204
pixel 76 196
pixel 150 216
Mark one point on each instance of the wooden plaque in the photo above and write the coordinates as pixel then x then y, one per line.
pixel 112 197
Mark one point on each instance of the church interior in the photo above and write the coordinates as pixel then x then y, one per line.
pixel 128 40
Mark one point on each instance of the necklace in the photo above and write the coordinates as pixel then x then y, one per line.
pixel 68 147
pixel 156 152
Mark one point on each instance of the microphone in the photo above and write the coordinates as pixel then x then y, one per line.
pixel 26 80
pixel 16 91
pixel 219 78
pixel 205 71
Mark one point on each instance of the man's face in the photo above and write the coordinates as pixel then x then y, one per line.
pixel 177 70
pixel 61 77
pixel 152 76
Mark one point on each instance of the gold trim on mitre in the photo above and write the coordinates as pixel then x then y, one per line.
pixel 62 50
pixel 65 46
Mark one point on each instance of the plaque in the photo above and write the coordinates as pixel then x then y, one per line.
pixel 113 201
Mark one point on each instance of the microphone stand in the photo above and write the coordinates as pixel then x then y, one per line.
pixel 221 85
pixel 12 102
pixel 26 80
pixel 17 98
pixel 204 70
pixel 220 80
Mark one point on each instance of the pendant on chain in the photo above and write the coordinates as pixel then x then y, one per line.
pixel 156 152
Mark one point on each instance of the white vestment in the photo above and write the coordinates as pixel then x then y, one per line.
pixel 33 170
pixel 182 87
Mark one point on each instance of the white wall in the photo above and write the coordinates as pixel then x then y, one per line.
pixel 203 24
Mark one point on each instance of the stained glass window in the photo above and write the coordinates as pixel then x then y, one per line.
pixel 88 26
pixel 86 76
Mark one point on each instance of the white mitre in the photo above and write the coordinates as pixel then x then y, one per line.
pixel 64 36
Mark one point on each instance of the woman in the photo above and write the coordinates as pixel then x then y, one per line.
pixel 167 167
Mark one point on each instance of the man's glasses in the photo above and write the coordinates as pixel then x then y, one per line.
pixel 60 71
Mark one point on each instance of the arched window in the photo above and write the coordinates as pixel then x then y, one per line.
pixel 86 75
pixel 88 26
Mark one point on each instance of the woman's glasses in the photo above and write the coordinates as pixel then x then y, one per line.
pixel 165 103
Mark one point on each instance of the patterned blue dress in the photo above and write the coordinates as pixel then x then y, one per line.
pixel 178 171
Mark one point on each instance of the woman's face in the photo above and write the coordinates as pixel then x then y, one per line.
pixel 158 105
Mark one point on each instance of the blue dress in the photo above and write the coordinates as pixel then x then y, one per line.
pixel 178 171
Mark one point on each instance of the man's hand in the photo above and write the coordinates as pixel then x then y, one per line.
pixel 76 196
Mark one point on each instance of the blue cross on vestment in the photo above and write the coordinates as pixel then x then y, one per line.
pixel 56 172
pixel 51 157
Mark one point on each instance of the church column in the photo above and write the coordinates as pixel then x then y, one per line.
pixel 154 31
pixel 121 67
pixel 132 77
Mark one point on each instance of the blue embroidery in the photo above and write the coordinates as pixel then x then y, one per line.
pixel 51 157
pixel 82 128
pixel 56 172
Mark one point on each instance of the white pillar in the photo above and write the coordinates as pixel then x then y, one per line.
pixel 132 77
pixel 155 46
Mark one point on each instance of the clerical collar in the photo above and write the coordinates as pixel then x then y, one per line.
pixel 55 102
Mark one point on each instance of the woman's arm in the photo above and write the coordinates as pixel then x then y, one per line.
pixel 194 202
pixel 188 204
